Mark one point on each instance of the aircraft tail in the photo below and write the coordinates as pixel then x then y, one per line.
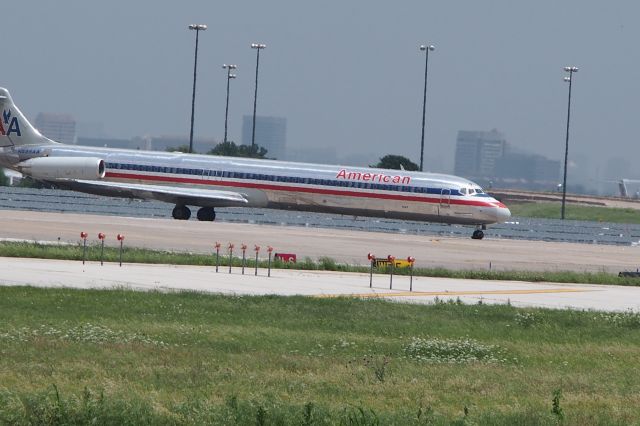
pixel 15 129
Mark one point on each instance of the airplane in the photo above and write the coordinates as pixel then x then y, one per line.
pixel 209 182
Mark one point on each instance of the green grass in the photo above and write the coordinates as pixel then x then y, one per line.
pixel 123 357
pixel 138 255
pixel 546 210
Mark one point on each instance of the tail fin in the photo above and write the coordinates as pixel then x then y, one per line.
pixel 15 129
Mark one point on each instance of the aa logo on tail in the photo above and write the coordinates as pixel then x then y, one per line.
pixel 11 123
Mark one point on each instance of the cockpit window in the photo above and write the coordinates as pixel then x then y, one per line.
pixel 463 191
pixel 479 191
pixel 471 191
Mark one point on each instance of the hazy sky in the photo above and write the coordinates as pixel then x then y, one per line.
pixel 344 73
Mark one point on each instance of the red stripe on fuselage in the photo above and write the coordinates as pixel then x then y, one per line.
pixel 289 188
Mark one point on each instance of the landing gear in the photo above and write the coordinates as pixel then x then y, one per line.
pixel 478 234
pixel 181 212
pixel 206 214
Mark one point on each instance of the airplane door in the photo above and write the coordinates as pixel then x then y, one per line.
pixel 444 207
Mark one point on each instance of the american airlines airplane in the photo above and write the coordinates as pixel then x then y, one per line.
pixel 208 182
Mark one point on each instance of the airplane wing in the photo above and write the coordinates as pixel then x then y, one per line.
pixel 168 194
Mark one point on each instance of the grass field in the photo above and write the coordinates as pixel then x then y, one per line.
pixel 546 210
pixel 123 357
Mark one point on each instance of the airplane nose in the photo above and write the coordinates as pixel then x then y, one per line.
pixel 502 214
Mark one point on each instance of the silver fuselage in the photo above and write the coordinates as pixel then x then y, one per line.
pixel 275 184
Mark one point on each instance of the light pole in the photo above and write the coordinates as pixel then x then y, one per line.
pixel 197 28
pixel 226 112
pixel 426 49
pixel 258 47
pixel 569 79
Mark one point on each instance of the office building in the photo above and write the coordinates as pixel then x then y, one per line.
pixel 477 153
pixel 271 134
pixel 59 127
pixel 529 170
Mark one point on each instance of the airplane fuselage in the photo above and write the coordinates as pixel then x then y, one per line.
pixel 275 184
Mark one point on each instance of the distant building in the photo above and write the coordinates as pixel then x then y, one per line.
pixel 528 170
pixel 477 153
pixel 90 129
pixel 59 127
pixel 271 134
pixel 488 159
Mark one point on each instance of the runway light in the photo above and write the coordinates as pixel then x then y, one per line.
pixel 84 236
pixel 269 250
pixel 120 238
pixel 372 259
pixel 101 237
pixel 411 260
pixel 257 250
pixel 391 260
pixel 217 246
pixel 243 246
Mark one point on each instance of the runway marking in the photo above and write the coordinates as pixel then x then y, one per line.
pixel 457 293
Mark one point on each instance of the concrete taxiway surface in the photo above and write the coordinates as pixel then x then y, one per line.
pixel 73 274
pixel 343 246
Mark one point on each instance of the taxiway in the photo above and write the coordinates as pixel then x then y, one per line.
pixel 73 274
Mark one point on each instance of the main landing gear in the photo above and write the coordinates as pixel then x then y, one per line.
pixel 181 212
pixel 206 214
pixel 478 234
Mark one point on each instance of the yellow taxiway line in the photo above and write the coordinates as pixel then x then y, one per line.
pixel 457 293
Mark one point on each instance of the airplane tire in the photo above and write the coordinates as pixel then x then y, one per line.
pixel 181 212
pixel 477 235
pixel 206 214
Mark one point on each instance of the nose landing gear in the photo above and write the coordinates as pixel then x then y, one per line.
pixel 478 234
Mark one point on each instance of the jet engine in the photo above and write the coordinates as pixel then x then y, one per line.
pixel 56 168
